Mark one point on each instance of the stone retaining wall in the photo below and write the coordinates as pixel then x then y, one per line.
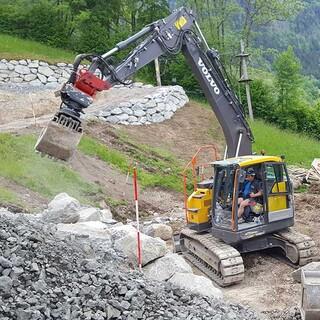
pixel 34 72
pixel 153 108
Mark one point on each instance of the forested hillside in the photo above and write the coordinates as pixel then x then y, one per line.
pixel 97 25
pixel 301 32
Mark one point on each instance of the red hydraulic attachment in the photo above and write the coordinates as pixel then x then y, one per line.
pixel 197 169
pixel 88 83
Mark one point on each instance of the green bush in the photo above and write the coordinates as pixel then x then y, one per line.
pixel 263 100
pixel 175 70
pixel 41 21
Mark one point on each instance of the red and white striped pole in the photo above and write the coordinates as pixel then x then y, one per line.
pixel 135 186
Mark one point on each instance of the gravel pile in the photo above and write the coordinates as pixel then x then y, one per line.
pixel 45 277
pixel 289 314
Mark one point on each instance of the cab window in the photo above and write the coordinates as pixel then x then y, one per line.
pixel 276 178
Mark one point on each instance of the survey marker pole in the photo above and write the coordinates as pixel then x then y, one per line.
pixel 135 187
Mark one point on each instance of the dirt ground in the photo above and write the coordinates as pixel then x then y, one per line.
pixel 268 284
pixel 117 186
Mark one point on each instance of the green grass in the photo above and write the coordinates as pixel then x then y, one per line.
pixel 92 147
pixel 8 196
pixel 116 202
pixel 19 163
pixel 156 168
pixel 298 149
pixel 16 48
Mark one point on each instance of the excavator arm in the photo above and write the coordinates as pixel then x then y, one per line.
pixel 179 32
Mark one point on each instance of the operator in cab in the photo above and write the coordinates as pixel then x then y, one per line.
pixel 251 192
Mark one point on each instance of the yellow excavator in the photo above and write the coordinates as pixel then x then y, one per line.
pixel 215 237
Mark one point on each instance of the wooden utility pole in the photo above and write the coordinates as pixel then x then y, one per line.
pixel 157 66
pixel 244 77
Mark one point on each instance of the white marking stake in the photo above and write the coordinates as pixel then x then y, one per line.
pixel 135 185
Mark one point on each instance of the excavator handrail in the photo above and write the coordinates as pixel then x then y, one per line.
pixel 193 163
pixel 234 200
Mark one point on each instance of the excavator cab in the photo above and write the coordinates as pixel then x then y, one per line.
pixel 215 238
pixel 275 212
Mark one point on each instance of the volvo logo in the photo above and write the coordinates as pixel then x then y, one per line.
pixel 208 76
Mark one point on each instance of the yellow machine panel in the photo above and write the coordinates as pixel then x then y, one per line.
pixel 199 204
pixel 180 22
pixel 278 202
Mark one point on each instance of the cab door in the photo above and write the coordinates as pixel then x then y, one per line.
pixel 277 192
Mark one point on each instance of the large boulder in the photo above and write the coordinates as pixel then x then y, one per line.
pixel 164 268
pixel 91 229
pixel 62 209
pixel 119 232
pixel 312 266
pixel 94 214
pixel 125 241
pixel 162 231
pixel 89 214
pixel 105 214
pixel 196 284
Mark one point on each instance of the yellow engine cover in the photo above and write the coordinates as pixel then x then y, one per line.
pixel 199 204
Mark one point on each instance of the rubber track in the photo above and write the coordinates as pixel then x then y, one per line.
pixel 227 268
pixel 307 249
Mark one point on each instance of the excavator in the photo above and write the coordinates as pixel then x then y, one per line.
pixel 214 238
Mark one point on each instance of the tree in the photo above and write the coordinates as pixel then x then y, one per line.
pixel 259 13
pixel 263 99
pixel 288 79
pixel 215 18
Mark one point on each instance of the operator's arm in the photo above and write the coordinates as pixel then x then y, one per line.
pixel 258 189
pixel 255 195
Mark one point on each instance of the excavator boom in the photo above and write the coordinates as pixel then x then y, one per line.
pixel 179 32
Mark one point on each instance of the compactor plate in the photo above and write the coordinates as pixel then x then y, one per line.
pixel 58 141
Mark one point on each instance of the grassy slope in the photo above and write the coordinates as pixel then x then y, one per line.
pixel 19 163
pixel 8 196
pixel 156 168
pixel 16 48
pixel 298 149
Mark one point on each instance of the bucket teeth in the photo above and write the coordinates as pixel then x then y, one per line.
pixel 60 138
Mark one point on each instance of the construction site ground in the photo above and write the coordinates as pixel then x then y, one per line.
pixel 268 284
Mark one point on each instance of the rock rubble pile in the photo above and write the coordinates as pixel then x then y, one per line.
pixel 298 176
pixel 50 273
pixel 288 314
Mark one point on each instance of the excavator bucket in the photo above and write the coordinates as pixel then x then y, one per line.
pixel 310 302
pixel 60 138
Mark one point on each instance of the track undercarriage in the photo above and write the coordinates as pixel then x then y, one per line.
pixel 223 263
